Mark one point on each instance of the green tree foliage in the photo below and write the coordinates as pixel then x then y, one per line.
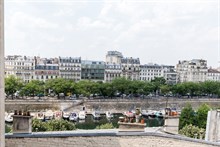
pixel 193 131
pixel 187 116
pixel 210 88
pixel 136 87
pixel 122 85
pixel 158 81
pixel 201 116
pixel 87 87
pixel 60 85
pixel 165 89
pixel 148 88
pixel 12 84
pixel 34 88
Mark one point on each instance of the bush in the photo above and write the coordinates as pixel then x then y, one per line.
pixel 192 131
pixel 38 125
pixel 201 116
pixel 52 125
pixel 105 126
pixel 8 129
pixel 60 125
pixel 187 116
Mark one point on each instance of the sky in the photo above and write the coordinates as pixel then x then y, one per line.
pixel 156 31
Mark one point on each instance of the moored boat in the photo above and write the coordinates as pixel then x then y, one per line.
pixel 73 116
pixel 151 114
pixel 48 115
pixel 66 115
pixel 96 115
pixel 8 117
pixel 82 115
pixel 58 115
pixel 109 115
pixel 144 113
pixel 159 114
pixel 40 115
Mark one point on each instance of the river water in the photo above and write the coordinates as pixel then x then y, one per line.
pixel 90 123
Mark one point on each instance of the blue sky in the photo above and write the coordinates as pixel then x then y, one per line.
pixel 156 31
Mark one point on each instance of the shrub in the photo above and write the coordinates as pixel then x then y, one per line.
pixel 38 125
pixel 201 116
pixel 105 126
pixel 187 116
pixel 52 125
pixel 192 131
pixel 8 129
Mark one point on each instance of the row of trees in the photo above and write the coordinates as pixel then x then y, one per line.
pixel 120 86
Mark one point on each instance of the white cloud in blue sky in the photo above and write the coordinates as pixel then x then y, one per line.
pixel 155 31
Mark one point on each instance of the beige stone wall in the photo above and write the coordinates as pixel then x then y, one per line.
pixel 123 141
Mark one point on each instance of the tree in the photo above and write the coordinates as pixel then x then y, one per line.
pixel 136 87
pixel 60 85
pixel 179 89
pixel 148 88
pixel 12 85
pixel 165 90
pixel 86 87
pixel 201 116
pixel 34 87
pixel 121 85
pixel 191 88
pixel 187 116
pixel 210 88
pixel 158 81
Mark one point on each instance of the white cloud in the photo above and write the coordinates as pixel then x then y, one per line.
pixel 155 31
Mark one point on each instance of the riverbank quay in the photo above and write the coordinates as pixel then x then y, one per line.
pixel 102 138
pixel 115 105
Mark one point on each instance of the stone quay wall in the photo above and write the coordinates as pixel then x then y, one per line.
pixel 155 104
pixel 114 105
pixel 103 141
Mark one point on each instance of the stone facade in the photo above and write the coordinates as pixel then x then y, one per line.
pixel 46 69
pixel 149 71
pixel 112 71
pixel 70 68
pixel 192 71
pixel 130 68
pixel 20 66
pixel 113 57
pixel 213 75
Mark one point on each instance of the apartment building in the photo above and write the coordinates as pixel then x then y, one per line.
pixel 92 70
pixel 213 75
pixel 20 66
pixel 113 57
pixel 192 71
pixel 112 71
pixel 131 68
pixel 149 71
pixel 46 68
pixel 70 68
